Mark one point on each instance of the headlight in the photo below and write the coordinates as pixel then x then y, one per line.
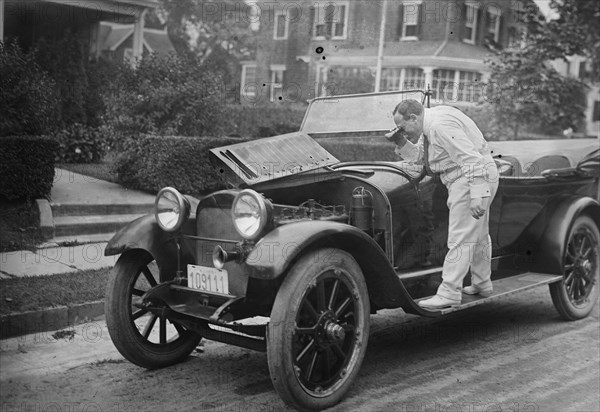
pixel 171 209
pixel 250 213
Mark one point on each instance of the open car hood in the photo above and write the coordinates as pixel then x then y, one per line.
pixel 271 158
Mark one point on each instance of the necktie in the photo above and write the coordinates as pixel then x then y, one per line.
pixel 426 155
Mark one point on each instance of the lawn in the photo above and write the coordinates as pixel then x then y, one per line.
pixel 40 292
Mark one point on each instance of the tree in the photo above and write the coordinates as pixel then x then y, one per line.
pixel 525 89
pixel 165 95
pixel 529 91
pixel 28 94
pixel 215 32
pixel 575 32
pixel 202 26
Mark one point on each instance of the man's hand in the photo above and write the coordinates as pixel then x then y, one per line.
pixel 478 206
pixel 396 136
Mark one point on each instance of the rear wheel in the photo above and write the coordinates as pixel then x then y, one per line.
pixel 575 296
pixel 142 337
pixel 319 328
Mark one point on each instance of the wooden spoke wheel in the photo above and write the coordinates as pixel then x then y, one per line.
pixel 575 296
pixel 319 328
pixel 142 337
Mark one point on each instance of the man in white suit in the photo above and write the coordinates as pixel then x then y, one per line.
pixel 449 143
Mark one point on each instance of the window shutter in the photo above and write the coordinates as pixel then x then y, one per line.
pixel 420 21
pixel 463 21
pixel 400 21
pixel 311 21
pixel 478 27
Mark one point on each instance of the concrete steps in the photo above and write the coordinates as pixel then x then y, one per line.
pixel 91 223
pixel 101 209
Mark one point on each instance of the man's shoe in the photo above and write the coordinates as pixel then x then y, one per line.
pixel 438 302
pixel 476 290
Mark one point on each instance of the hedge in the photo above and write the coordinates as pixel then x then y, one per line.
pixel 26 166
pixel 151 162
pixel 263 121
pixel 82 144
pixel 351 150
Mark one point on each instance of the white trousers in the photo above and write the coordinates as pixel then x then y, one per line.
pixel 469 241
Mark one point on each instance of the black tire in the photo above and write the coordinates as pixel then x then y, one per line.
pixel 135 332
pixel 319 329
pixel 574 297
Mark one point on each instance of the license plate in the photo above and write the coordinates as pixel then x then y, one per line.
pixel 208 279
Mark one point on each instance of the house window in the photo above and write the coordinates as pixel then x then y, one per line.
pixel 249 88
pixel 471 13
pixel 281 28
pixel 414 79
pixel 518 12
pixel 330 20
pixel 390 79
pixel 277 83
pixel 410 20
pixel 492 24
pixel 469 87
pixel 596 114
pixel 443 85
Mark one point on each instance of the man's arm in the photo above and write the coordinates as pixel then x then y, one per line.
pixel 408 151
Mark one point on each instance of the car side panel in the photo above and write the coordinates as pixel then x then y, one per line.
pixel 277 251
pixel 523 200
pixel 548 234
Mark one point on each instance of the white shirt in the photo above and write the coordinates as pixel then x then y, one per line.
pixel 456 147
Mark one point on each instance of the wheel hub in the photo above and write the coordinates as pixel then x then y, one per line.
pixel 585 266
pixel 328 330
pixel 334 332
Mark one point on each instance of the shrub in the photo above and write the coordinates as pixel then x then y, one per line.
pixel 166 95
pixel 26 166
pixel 80 144
pixel 356 150
pixel 66 61
pixel 263 121
pixel 152 162
pixel 28 99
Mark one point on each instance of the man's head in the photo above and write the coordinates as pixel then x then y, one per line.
pixel 408 116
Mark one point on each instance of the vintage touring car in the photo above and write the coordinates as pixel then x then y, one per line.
pixel 302 249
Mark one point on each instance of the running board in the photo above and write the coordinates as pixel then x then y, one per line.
pixel 502 287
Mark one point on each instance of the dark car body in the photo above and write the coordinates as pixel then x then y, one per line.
pixel 389 216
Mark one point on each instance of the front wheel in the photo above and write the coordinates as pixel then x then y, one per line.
pixel 319 329
pixel 142 337
pixel 574 297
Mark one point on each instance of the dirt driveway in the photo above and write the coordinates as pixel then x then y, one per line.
pixel 511 355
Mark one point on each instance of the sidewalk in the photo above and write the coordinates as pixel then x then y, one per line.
pixel 75 194
pixel 72 190
pixel 54 260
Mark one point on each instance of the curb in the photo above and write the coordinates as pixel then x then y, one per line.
pixel 46 218
pixel 37 321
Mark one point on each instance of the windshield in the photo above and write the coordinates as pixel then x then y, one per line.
pixel 356 113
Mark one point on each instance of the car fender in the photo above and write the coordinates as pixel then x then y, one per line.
pixel 145 234
pixel 555 224
pixel 276 252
